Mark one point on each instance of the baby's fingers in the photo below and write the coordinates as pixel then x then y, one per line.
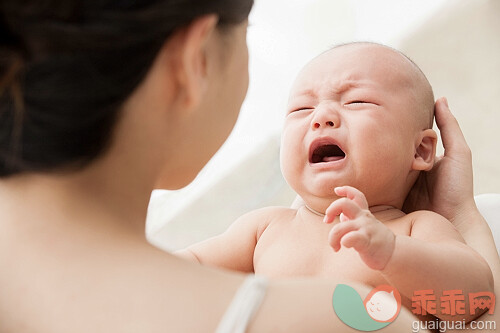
pixel 357 240
pixel 352 193
pixel 346 206
pixel 340 231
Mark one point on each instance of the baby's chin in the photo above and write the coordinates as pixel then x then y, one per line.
pixel 318 203
pixel 318 193
pixel 321 189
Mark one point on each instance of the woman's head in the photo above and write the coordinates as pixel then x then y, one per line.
pixel 67 67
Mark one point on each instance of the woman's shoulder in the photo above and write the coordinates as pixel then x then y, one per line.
pixel 63 275
pixel 71 285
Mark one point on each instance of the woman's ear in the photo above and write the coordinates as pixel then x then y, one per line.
pixel 425 150
pixel 187 51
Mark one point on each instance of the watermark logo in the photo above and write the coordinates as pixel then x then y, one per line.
pixel 380 307
pixel 452 302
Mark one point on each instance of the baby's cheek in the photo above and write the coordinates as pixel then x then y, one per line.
pixel 391 152
pixel 292 153
pixel 290 167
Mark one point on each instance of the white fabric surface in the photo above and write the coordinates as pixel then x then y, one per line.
pixel 489 206
pixel 244 305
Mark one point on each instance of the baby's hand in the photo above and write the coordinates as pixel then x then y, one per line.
pixel 359 229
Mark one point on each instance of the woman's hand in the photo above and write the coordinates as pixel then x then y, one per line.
pixel 447 188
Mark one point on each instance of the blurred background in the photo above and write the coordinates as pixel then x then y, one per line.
pixel 455 42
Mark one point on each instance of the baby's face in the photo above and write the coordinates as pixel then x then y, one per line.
pixel 351 122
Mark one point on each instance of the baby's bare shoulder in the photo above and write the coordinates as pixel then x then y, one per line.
pixel 424 215
pixel 273 211
pixel 267 215
pixel 432 226
pixel 261 218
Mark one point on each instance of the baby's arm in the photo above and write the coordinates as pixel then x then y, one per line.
pixel 434 256
pixel 234 248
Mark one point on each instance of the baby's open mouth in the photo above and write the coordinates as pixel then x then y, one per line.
pixel 323 151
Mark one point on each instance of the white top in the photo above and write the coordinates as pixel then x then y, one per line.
pixel 244 305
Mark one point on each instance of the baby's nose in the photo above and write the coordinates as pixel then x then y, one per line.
pixel 325 116
pixel 328 123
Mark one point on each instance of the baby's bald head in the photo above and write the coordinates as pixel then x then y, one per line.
pixel 370 110
pixel 416 81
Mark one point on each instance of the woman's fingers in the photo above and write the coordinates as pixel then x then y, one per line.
pixel 451 134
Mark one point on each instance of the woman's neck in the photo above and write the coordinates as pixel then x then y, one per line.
pixel 114 189
pixel 117 186
pixel 87 197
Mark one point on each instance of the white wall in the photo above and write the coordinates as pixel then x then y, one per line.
pixel 459 50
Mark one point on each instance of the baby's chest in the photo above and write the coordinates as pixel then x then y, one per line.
pixel 293 260
pixel 294 253
pixel 300 248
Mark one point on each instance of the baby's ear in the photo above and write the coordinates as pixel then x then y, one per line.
pixel 425 150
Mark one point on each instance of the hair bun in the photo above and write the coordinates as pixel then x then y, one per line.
pixel 11 57
pixel 6 35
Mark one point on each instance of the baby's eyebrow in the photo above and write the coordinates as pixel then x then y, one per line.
pixel 331 88
pixel 305 92
pixel 346 85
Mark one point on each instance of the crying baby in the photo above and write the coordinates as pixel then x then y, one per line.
pixel 357 133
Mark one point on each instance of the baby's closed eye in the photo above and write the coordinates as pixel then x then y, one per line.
pixel 359 102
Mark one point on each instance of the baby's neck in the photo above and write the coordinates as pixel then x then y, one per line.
pixel 381 212
pixel 389 200
pixel 380 208
pixel 386 212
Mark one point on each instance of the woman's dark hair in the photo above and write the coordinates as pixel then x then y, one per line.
pixel 66 67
